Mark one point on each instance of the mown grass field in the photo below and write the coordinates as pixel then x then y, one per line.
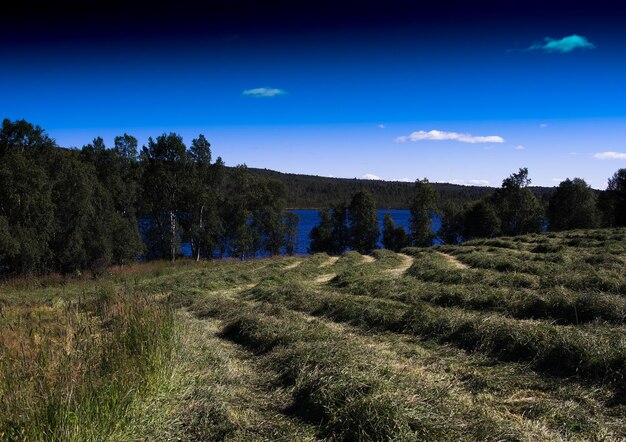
pixel 506 339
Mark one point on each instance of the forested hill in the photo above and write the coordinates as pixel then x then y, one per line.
pixel 312 192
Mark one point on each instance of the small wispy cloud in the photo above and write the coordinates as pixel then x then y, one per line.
pixel 370 176
pixel 610 155
pixel 543 125
pixel 563 45
pixel 520 147
pixel 405 180
pixel 381 126
pixel 470 182
pixel 264 92
pixel 438 135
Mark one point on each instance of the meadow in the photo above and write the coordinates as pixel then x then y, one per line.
pixel 507 339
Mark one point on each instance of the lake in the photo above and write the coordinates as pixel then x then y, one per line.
pixel 310 218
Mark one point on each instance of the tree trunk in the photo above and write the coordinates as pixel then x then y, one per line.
pixel 198 245
pixel 172 236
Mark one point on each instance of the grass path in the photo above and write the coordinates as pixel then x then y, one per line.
pixel 324 278
pixel 331 261
pixel 438 372
pixel 215 391
pixel 455 390
pixel 292 265
pixel 502 395
pixel 407 262
pixel 367 258
pixel 453 261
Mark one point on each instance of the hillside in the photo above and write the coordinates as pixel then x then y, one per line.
pixel 505 339
pixel 309 191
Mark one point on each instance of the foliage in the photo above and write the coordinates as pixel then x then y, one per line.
pixel 574 205
pixel 70 210
pixel 614 205
pixel 363 223
pixel 517 207
pixel 314 192
pixel 424 204
pixel 331 235
pixel 394 237
pixel 480 220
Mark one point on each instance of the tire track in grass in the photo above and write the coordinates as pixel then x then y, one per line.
pixel 434 369
pixel 237 399
pixel 331 261
pixel 438 390
pixel 535 407
pixel 367 259
pixel 453 261
pixel 406 263
pixel 293 265
pixel 322 279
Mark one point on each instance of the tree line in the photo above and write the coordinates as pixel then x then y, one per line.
pixel 513 209
pixel 315 192
pixel 67 210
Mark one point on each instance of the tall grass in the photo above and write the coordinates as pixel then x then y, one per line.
pixel 70 371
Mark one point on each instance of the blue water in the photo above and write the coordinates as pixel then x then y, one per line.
pixel 310 219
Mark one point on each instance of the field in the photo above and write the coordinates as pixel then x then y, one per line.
pixel 505 339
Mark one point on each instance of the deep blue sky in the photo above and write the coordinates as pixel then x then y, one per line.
pixel 349 82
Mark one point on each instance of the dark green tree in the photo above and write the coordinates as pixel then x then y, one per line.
pixel 614 201
pixel 203 188
pixel 517 207
pixel 27 213
pixel 394 237
pixel 126 147
pixel 165 172
pixel 241 236
pixel 423 206
pixel 82 212
pixel 363 223
pixel 574 205
pixel 118 179
pixel 480 220
pixel 20 136
pixel 341 232
pixel 291 221
pixel 450 231
pixel 331 235
pixel 321 236
pixel 268 214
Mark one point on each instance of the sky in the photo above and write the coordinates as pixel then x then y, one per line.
pixel 456 91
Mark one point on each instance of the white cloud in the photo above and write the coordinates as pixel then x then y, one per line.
pixel 610 155
pixel 557 180
pixel 264 92
pixel 437 135
pixel 405 180
pixel 543 125
pixel 563 45
pixel 370 176
pixel 470 182
pixel 520 147
pixel 381 126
